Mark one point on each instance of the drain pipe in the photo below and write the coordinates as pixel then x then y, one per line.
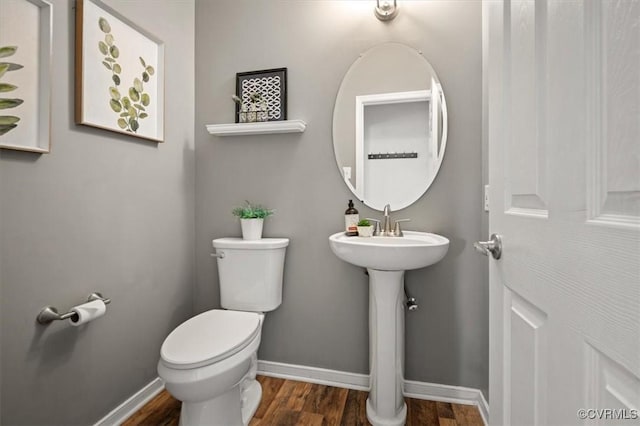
pixel 411 302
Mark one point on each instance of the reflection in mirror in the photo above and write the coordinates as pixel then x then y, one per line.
pixel 389 126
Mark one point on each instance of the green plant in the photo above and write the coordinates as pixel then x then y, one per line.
pixel 252 211
pixel 8 122
pixel 132 108
pixel 364 222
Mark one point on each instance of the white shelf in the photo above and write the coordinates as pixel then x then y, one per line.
pixel 262 128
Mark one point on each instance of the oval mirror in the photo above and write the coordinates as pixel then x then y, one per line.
pixel 389 126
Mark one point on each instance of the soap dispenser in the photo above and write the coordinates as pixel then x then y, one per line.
pixel 351 219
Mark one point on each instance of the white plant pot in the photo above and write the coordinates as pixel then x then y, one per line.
pixel 251 228
pixel 365 231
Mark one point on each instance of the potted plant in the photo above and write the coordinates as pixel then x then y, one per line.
pixel 252 219
pixel 365 229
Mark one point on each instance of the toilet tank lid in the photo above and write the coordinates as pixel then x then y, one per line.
pixel 239 243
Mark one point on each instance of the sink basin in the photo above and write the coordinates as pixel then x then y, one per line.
pixel 412 251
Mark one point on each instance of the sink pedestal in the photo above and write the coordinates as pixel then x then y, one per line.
pixel 386 259
pixel 385 405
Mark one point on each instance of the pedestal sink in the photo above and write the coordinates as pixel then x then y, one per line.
pixel 386 260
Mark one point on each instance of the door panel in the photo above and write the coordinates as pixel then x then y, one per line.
pixel 526 347
pixel 610 385
pixel 526 174
pixel 613 61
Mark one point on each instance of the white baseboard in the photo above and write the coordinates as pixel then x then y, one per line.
pixel 321 376
pixel 341 379
pixel 483 407
pixel 447 393
pixel 123 411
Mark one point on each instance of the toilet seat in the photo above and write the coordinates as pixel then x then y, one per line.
pixel 209 337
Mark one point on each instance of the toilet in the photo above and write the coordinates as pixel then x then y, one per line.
pixel 209 362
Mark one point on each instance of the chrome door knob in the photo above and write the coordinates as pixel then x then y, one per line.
pixel 493 246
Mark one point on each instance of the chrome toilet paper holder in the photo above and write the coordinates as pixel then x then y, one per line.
pixel 48 314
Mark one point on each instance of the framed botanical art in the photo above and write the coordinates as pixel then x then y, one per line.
pixel 25 74
pixel 261 95
pixel 119 73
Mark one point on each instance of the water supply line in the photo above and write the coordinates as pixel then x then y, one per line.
pixel 411 302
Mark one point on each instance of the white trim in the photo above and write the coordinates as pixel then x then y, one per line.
pixel 483 407
pixel 359 149
pixel 123 411
pixel 342 379
pixel 392 98
pixel 616 220
pixel 322 376
pixel 526 212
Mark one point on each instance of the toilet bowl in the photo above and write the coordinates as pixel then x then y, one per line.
pixel 209 362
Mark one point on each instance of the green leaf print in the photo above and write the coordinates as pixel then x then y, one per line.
pixel 132 108
pixel 8 122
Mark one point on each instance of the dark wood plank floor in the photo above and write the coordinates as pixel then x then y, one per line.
pixel 289 403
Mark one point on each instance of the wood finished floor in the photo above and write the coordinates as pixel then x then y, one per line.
pixel 288 403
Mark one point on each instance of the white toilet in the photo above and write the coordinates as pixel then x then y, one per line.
pixel 209 362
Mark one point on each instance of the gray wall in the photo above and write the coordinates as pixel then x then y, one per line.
pixel 101 212
pixel 323 319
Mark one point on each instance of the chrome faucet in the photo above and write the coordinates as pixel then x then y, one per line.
pixel 386 230
pixel 386 225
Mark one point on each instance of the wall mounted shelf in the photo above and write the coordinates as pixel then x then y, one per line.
pixel 262 128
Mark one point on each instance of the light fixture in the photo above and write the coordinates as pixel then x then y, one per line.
pixel 386 10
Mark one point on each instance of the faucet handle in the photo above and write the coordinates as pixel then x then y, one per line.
pixel 376 230
pixel 397 232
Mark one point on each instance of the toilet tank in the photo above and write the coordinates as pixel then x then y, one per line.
pixel 250 273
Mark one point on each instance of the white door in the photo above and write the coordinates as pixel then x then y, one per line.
pixel 563 86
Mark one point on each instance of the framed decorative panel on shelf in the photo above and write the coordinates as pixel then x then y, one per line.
pixel 119 73
pixel 261 95
pixel 25 74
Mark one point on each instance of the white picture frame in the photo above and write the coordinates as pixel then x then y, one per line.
pixel 25 75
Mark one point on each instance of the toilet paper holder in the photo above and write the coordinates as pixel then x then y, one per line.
pixel 48 314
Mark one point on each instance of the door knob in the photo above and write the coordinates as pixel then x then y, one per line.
pixel 493 246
